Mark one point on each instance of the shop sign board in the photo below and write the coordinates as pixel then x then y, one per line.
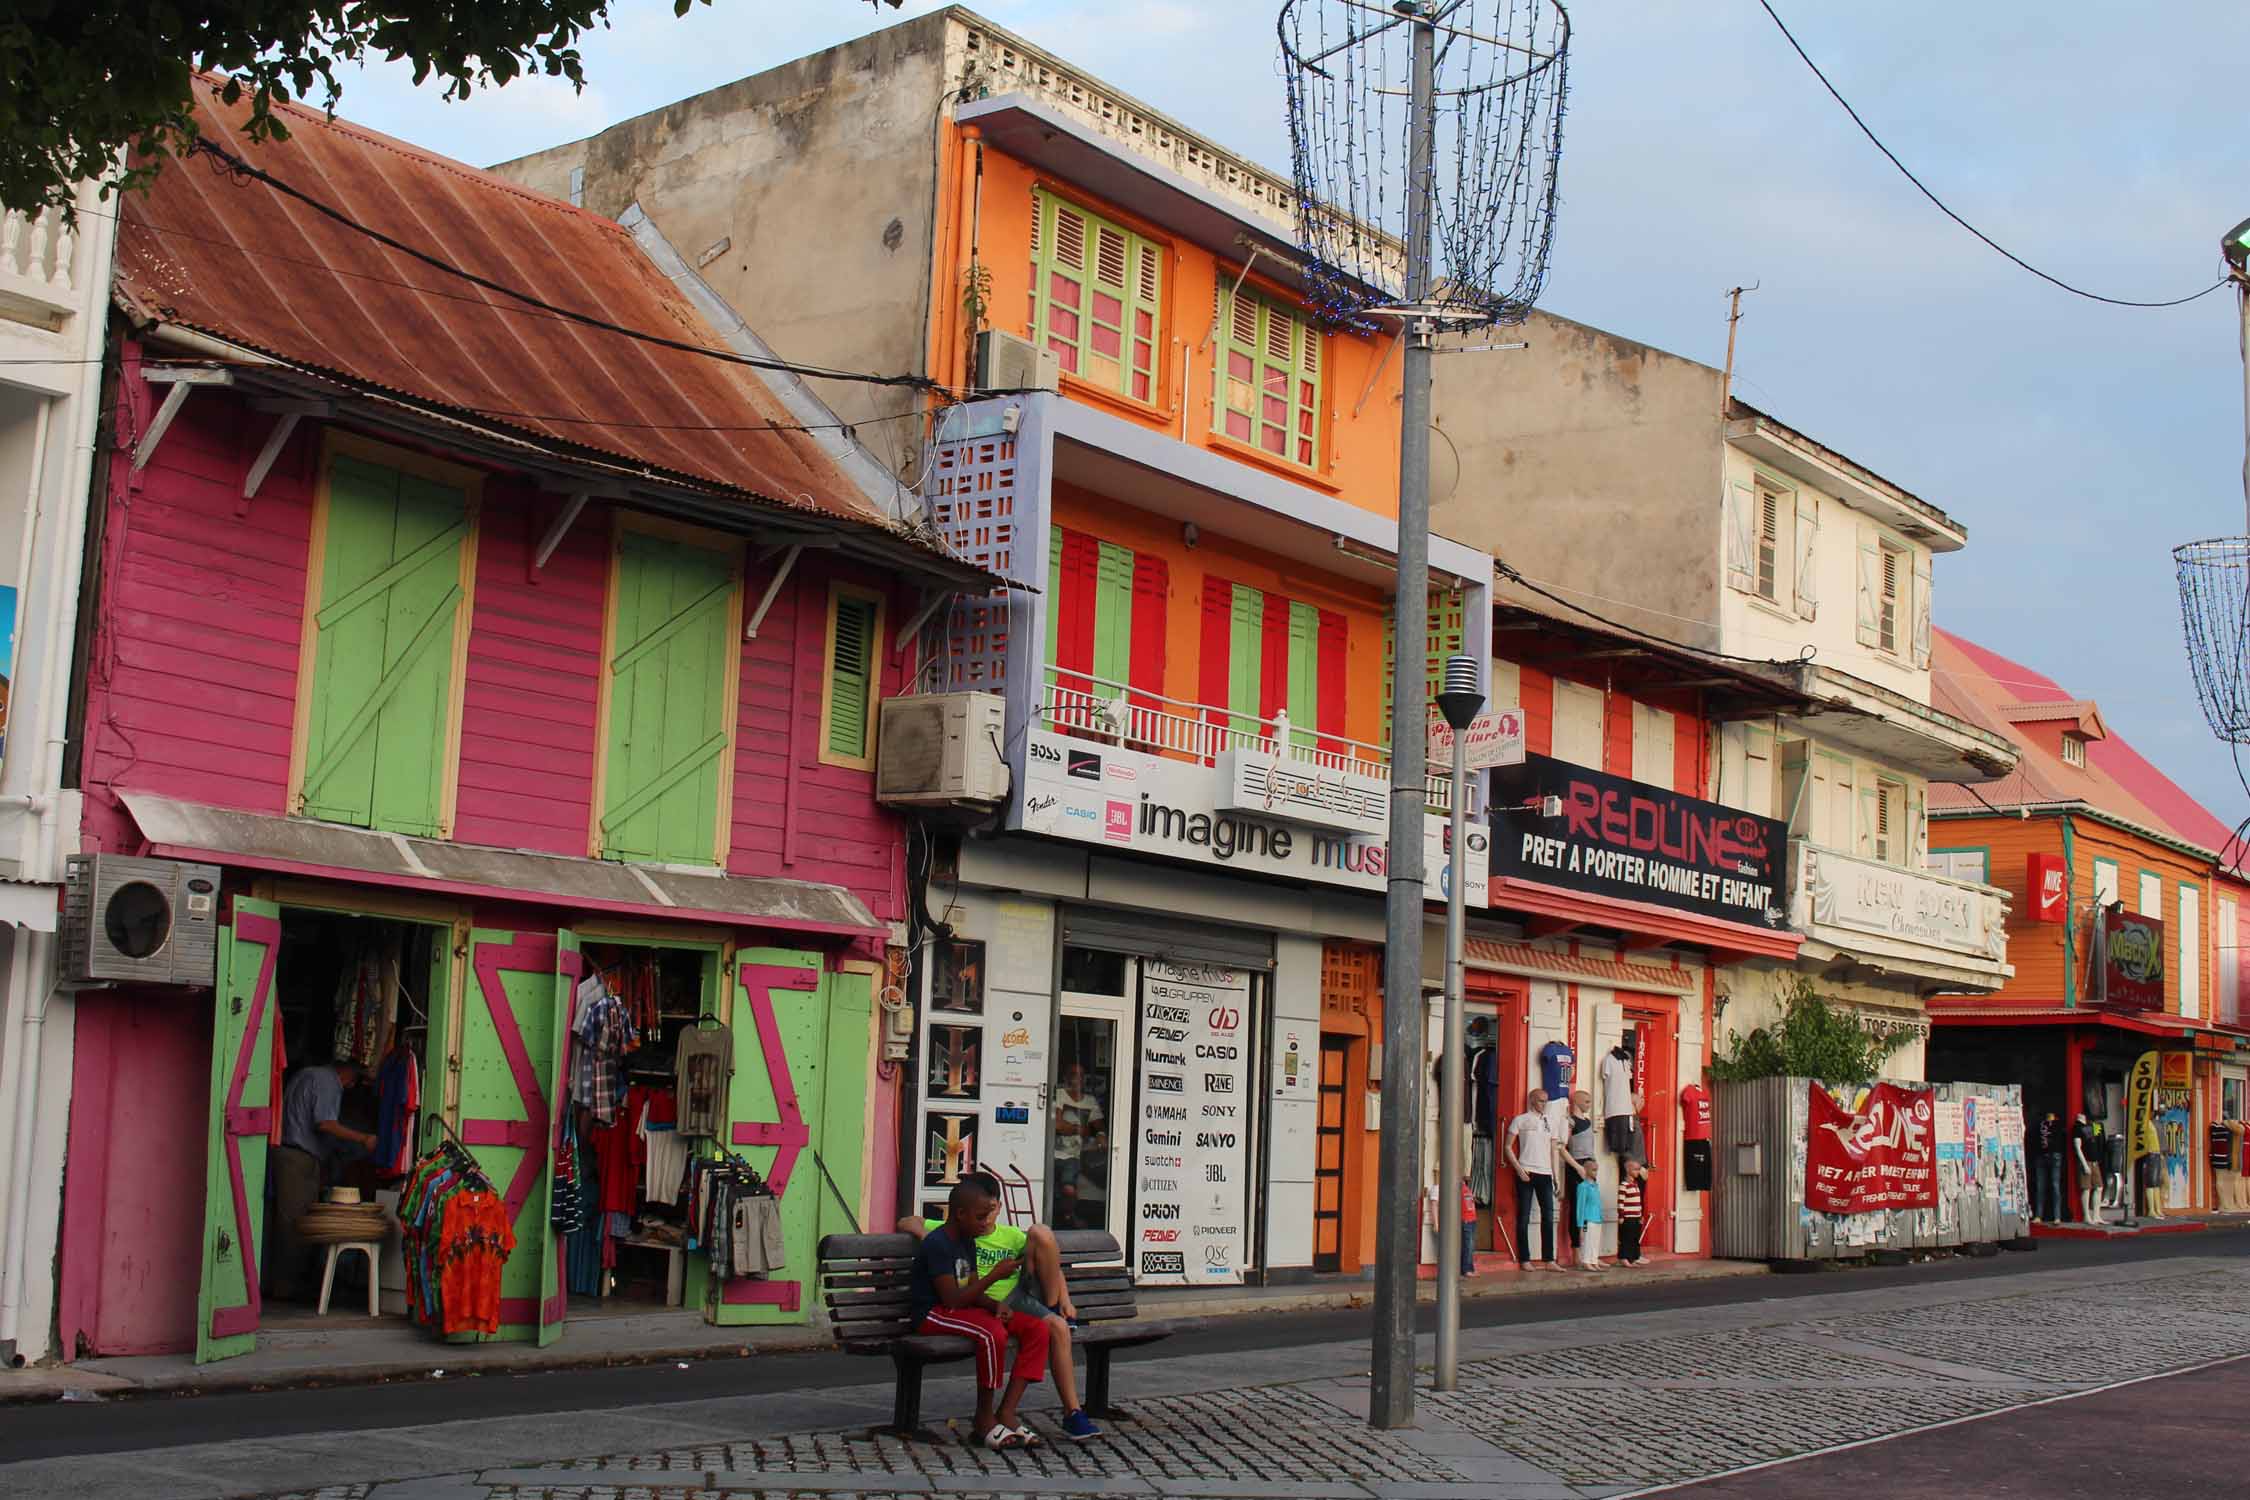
pixel 1294 791
pixel 2050 892
pixel 1636 842
pixel 1126 799
pixel 1868 895
pixel 1493 738
pixel 2132 960
pixel 1881 1155
pixel 1192 1159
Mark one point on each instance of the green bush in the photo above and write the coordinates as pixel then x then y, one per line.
pixel 1814 1039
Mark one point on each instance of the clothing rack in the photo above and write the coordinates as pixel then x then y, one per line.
pixel 457 1152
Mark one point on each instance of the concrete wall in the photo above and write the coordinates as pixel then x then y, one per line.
pixel 1571 447
pixel 1756 992
pixel 820 179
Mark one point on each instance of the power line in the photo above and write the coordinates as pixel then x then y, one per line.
pixel 234 164
pixel 1767 6
pixel 1508 572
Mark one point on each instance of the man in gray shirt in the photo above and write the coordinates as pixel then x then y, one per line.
pixel 314 1142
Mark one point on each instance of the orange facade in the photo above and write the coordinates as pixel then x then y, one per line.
pixel 988 222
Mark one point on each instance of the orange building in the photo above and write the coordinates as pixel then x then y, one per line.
pixel 2123 930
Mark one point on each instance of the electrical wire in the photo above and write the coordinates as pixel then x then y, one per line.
pixel 1508 572
pixel 1994 244
pixel 228 162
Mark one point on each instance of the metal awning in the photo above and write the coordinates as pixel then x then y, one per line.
pixel 1522 959
pixel 31 907
pixel 331 851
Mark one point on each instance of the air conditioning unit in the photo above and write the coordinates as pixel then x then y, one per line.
pixel 140 921
pixel 1007 363
pixel 939 749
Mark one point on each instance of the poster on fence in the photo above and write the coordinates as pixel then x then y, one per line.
pixel 1880 1155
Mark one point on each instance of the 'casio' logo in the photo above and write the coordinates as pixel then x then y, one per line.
pixel 1204 1050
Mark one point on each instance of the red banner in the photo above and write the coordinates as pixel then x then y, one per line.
pixel 1882 1156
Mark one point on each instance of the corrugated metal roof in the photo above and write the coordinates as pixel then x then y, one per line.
pixel 229 836
pixel 2080 709
pixel 237 259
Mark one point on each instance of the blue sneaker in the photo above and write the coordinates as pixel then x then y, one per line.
pixel 1079 1427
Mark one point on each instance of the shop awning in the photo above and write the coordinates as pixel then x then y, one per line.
pixel 31 907
pixel 1641 924
pixel 1523 959
pixel 2145 1023
pixel 330 851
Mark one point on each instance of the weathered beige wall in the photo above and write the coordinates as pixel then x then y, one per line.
pixel 821 175
pixel 1592 464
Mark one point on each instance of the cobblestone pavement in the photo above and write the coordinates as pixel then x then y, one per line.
pixel 1606 1406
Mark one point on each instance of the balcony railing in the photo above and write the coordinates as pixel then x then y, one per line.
pixel 1095 708
pixel 38 256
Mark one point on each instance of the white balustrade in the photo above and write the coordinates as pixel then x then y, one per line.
pixel 38 265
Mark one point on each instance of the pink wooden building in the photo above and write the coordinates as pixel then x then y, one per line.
pixel 484 649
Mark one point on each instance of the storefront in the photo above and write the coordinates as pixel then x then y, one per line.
pixel 1629 900
pixel 476 1017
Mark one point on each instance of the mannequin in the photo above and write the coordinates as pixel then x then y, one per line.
pixel 2047 1168
pixel 2149 1171
pixel 2113 1164
pixel 2086 1145
pixel 1620 1106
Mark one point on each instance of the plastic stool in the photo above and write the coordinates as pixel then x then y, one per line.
pixel 368 1248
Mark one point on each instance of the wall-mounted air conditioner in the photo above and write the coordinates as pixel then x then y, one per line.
pixel 937 749
pixel 140 921
pixel 1007 363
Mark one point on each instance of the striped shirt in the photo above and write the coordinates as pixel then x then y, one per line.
pixel 1629 1198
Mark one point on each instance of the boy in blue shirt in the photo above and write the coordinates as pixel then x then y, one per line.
pixel 950 1297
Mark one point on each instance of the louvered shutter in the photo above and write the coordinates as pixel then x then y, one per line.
pixel 1152 590
pixel 1214 685
pixel 1246 654
pixel 1268 390
pixel 1918 608
pixel 1741 505
pixel 1098 297
pixel 1304 674
pixel 1807 578
pixel 1867 620
pixel 1335 650
pixel 852 660
pixel 668 735
pixel 383 689
pixel 1113 620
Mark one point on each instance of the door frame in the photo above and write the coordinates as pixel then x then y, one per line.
pixel 1124 1011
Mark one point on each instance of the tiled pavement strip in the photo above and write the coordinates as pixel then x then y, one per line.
pixel 1594 1407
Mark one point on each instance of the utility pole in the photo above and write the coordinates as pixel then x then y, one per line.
pixel 1734 316
pixel 1459 702
pixel 1398 1221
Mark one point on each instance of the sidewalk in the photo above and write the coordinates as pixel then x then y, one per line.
pixel 2183 1221
pixel 1598 1407
pixel 359 1351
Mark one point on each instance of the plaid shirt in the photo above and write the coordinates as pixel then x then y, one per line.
pixel 597 1077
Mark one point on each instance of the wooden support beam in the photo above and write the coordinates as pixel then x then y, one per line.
pixel 556 531
pixel 181 379
pixel 930 606
pixel 287 414
pixel 765 601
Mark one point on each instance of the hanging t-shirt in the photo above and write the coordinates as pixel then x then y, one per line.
pixel 1484 1089
pixel 1617 1085
pixel 1695 1110
pixel 703 1064
pixel 1558 1066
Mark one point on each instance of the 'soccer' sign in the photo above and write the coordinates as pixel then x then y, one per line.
pixel 1637 842
pixel 1882 1155
pixel 1191 1195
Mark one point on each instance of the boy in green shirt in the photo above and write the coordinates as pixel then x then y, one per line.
pixel 1035 1250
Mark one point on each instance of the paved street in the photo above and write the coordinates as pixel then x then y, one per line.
pixel 1584 1395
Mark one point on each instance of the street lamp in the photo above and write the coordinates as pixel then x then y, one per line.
pixel 1459 700
pixel 2236 249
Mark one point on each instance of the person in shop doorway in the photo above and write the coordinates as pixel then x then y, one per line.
pixel 1080 1134
pixel 1038 1290
pixel 314 1144
pixel 950 1296
pixel 1531 1156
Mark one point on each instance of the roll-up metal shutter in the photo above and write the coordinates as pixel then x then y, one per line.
pixel 1159 937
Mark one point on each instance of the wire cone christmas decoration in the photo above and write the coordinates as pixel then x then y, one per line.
pixel 1498 99
pixel 2215 614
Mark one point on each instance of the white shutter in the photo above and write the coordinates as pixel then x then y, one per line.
pixel 1919 606
pixel 1653 741
pixel 1808 557
pixel 1742 507
pixel 2191 953
pixel 1868 621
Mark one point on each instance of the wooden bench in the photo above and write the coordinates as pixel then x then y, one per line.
pixel 867 1280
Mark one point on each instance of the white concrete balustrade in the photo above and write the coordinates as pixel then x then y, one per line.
pixel 38 267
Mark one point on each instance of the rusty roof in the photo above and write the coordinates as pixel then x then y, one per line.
pixel 235 258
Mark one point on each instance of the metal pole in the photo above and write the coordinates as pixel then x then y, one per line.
pixel 1452 1168
pixel 1397 1219
pixel 2242 297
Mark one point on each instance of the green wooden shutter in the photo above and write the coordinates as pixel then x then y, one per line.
pixel 667 733
pixel 1304 674
pixel 383 685
pixel 1246 648
pixel 1113 620
pixel 1098 296
pixel 1268 390
pixel 851 678
pixel 1448 634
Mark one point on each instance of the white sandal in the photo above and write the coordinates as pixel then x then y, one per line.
pixel 1002 1438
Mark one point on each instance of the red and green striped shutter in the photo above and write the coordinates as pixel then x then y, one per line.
pixel 1263 654
pixel 1105 617
pixel 1152 592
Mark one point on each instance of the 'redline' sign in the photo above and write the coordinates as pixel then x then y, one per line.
pixel 1637 842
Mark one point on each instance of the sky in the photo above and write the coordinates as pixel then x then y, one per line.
pixel 2078 443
